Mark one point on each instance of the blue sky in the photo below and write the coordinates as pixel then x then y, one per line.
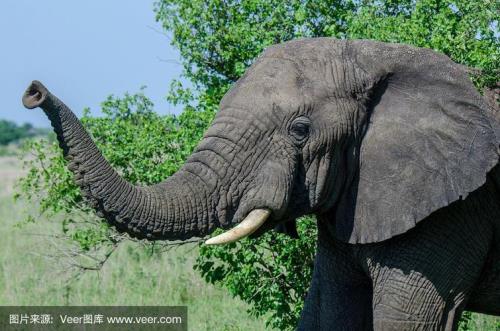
pixel 82 51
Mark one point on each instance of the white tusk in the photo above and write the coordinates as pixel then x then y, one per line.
pixel 249 225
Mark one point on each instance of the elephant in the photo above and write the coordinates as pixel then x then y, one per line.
pixel 389 145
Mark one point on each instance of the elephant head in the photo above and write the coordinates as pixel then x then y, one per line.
pixel 371 136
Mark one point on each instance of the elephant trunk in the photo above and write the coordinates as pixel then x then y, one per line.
pixel 168 210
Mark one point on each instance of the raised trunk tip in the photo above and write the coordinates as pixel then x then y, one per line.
pixel 34 95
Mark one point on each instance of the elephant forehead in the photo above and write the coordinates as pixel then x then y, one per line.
pixel 270 82
pixel 308 49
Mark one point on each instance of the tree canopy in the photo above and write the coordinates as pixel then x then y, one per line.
pixel 11 132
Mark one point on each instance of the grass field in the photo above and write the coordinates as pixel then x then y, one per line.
pixel 130 277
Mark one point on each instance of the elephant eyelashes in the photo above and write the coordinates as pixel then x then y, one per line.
pixel 299 130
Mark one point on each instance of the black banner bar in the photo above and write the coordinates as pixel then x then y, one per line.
pixel 90 318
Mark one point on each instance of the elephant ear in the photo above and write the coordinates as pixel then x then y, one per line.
pixel 430 140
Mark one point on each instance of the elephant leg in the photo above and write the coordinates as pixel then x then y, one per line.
pixel 340 294
pixel 410 301
pixel 423 279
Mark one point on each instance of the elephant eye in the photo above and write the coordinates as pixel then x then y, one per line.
pixel 300 128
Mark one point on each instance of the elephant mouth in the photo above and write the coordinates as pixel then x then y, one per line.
pixel 252 222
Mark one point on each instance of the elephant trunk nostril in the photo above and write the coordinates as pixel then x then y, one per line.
pixel 34 95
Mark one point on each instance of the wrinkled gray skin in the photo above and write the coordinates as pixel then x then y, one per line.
pixel 390 146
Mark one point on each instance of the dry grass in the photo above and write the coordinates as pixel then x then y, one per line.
pixel 10 170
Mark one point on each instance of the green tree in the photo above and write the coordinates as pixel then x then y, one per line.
pixel 218 40
pixel 11 132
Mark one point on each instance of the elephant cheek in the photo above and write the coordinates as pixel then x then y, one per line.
pixel 272 189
